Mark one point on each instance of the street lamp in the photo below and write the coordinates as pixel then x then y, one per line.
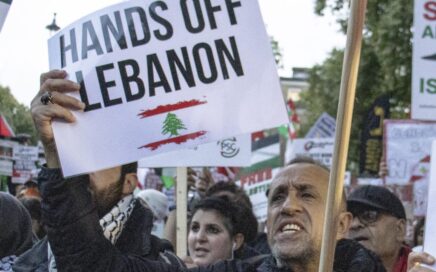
pixel 53 27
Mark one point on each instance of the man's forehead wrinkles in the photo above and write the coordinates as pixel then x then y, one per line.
pixel 281 183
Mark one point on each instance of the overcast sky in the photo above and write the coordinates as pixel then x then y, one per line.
pixel 305 39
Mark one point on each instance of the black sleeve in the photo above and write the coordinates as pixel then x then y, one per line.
pixel 76 237
pixel 74 232
pixel 350 256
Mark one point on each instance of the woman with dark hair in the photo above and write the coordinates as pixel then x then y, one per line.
pixel 216 231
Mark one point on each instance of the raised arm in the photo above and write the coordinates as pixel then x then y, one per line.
pixel 51 103
pixel 68 209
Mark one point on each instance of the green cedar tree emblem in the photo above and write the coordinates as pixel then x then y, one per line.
pixel 172 124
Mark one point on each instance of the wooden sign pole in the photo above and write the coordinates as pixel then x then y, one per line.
pixel 343 127
pixel 181 217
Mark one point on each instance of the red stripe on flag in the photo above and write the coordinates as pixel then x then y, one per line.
pixel 178 140
pixel 171 107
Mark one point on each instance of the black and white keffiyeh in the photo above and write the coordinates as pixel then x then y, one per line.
pixel 112 224
pixel 6 263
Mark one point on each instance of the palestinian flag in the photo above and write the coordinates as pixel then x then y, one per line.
pixel 421 169
pixel 4 8
pixel 173 128
pixel 5 128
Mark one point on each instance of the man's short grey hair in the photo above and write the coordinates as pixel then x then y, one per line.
pixel 308 160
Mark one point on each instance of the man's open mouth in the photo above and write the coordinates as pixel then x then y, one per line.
pixel 290 228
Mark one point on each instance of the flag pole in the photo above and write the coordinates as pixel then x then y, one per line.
pixel 181 216
pixel 343 127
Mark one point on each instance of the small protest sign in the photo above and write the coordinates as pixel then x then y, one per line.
pixel 371 140
pixel 6 156
pixel 407 150
pixel 233 151
pixel 320 149
pixel 424 61
pixel 255 185
pixel 25 160
pixel 324 127
pixel 158 76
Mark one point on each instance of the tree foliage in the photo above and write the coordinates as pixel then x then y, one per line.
pixel 17 114
pixel 385 65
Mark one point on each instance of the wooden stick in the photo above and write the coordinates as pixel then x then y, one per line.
pixel 181 217
pixel 343 127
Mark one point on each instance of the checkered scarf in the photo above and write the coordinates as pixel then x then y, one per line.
pixel 112 224
pixel 6 263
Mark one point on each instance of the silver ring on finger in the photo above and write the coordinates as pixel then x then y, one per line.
pixel 46 98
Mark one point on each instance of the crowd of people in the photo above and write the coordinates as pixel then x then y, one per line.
pixel 95 222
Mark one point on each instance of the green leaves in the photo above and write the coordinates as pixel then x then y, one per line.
pixel 17 114
pixel 385 65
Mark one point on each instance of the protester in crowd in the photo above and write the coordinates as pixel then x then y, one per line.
pixel 33 206
pixel 29 189
pixel 416 260
pixel 295 212
pixel 254 243
pixel 418 235
pixel 216 230
pixel 231 190
pixel 86 212
pixel 198 183
pixel 379 224
pixel 105 196
pixel 15 230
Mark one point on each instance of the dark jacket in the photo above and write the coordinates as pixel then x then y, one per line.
pixel 78 243
pixel 73 227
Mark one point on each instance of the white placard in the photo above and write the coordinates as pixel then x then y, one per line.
pixel 407 150
pixel 171 82
pixel 25 158
pixel 324 127
pixel 234 151
pixel 26 153
pixel 430 221
pixel 4 9
pixel 6 153
pixel 320 149
pixel 424 61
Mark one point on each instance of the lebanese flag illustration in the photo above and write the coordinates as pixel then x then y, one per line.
pixel 421 169
pixel 172 127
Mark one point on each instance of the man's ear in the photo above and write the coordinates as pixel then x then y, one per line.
pixel 345 219
pixel 401 228
pixel 238 240
pixel 130 183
